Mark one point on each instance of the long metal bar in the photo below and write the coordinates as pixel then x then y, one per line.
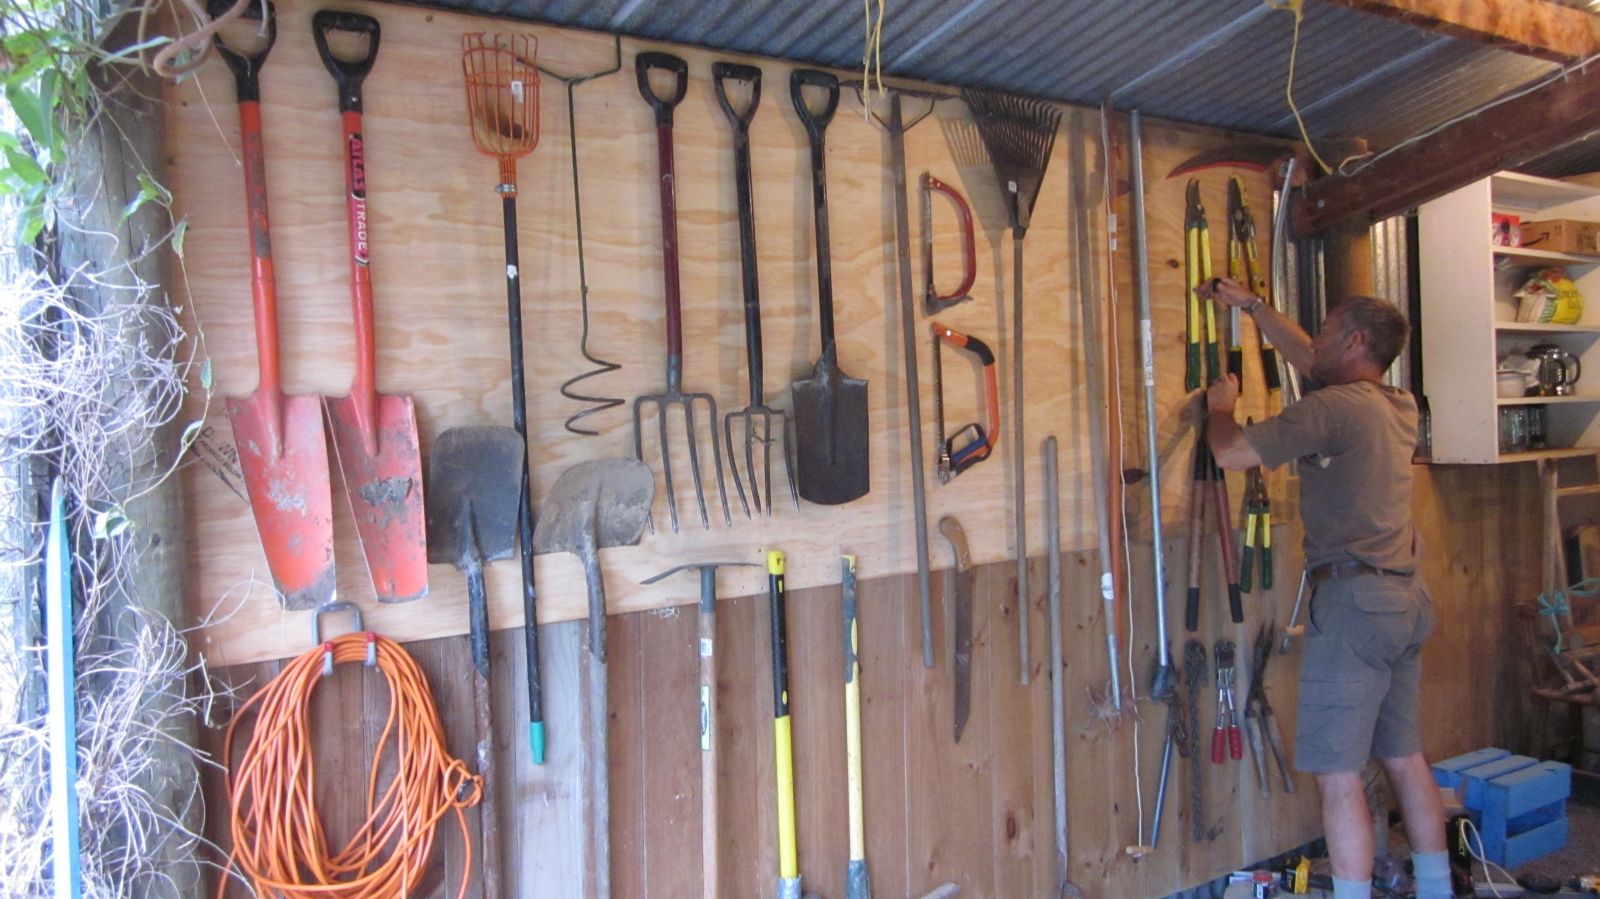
pixel 1162 683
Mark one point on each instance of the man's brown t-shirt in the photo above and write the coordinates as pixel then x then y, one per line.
pixel 1354 442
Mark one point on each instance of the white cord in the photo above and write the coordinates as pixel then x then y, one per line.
pixel 1475 849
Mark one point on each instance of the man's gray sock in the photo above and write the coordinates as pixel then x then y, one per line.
pixel 1431 870
pixel 1352 889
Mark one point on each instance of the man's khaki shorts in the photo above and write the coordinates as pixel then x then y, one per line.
pixel 1361 672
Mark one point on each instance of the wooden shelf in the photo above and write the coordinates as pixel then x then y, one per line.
pixel 1534 256
pixel 1580 490
pixel 1517 191
pixel 1543 328
pixel 1571 452
pixel 1545 400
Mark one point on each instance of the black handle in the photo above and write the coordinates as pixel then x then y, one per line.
pixel 816 124
pixel 1235 605
pixel 1236 364
pixel 478 618
pixel 349 73
pixel 1269 366
pixel 1191 609
pixel 724 71
pixel 643 63
pixel 751 283
pixel 246 66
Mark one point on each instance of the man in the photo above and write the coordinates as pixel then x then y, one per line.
pixel 1369 610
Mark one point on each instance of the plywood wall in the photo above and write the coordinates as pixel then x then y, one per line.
pixel 437 267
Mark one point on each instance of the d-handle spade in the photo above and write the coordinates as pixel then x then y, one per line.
pixel 283 451
pixel 472 520
pixel 709 841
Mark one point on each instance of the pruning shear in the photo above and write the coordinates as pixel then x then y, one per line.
pixel 1257 530
pixel 1260 722
pixel 1243 266
pixel 1197 265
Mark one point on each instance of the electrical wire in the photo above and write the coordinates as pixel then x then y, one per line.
pixel 279 843
pixel 872 54
pixel 1474 841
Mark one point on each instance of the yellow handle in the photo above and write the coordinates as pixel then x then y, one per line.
pixel 783 756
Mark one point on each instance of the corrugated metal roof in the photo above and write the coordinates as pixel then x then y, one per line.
pixel 1219 62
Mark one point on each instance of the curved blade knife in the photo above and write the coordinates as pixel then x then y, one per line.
pixel 961 658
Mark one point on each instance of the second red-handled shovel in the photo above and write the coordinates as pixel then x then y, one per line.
pixel 374 437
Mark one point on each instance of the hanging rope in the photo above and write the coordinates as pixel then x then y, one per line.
pixel 872 54
pixel 1297 8
pixel 278 839
pixel 1553 605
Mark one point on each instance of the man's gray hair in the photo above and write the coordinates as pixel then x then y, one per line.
pixel 1380 322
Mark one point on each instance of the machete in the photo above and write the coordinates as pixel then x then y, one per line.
pixel 961 658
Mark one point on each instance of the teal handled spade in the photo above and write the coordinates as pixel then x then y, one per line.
pixel 593 505
pixel 472 520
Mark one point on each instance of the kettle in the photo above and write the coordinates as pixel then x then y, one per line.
pixel 1557 370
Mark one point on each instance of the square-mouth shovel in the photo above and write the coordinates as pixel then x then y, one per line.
pixel 283 452
pixel 374 435
pixel 832 459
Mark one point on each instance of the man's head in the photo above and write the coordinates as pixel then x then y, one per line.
pixel 1359 340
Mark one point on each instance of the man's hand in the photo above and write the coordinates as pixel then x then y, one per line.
pixel 1223 394
pixel 1226 290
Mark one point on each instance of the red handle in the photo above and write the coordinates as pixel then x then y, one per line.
pixel 1235 749
pixel 263 282
pixel 969 256
pixel 1216 745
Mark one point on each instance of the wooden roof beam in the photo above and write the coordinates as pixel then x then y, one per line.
pixel 1498 138
pixel 1538 28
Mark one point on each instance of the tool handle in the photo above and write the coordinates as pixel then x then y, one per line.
pixel 1269 363
pixel 1197 511
pixel 597 607
pixel 663 106
pixel 478 618
pixel 932 300
pixel 246 66
pixel 1235 749
pixel 1216 745
pixel 1257 756
pixel 1247 563
pixel 1230 559
pixel 1269 723
pixel 519 420
pixel 1266 551
pixel 751 283
pixel 1236 363
pixel 348 73
pixel 816 125
pixel 263 279
pixel 708 731
pixel 776 600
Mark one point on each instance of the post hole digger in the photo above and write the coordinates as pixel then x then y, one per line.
pixel 472 520
pixel 1019 133
pixel 831 426
pixel 502 81
pixel 758 421
pixel 283 451
pixel 953 459
pixel 593 505
pixel 673 395
pixel 709 841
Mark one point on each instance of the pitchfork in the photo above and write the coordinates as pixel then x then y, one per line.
pixel 674 395
pixel 758 419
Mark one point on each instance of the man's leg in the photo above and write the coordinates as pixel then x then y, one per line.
pixel 1423 811
pixel 1347 824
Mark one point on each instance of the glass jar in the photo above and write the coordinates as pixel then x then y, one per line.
pixel 1538 426
pixel 1513 429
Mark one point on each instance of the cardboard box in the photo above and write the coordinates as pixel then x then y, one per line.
pixel 1562 236
pixel 1505 230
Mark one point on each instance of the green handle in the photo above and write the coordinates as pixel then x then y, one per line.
pixel 1244 572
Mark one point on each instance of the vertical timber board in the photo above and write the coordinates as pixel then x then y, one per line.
pixel 543 804
pixel 669 744
pixel 744 735
pixel 884 605
pixel 816 673
pixel 629 777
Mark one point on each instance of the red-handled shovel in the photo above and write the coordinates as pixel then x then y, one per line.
pixel 374 437
pixel 282 450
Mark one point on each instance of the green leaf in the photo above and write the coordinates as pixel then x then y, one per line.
pixel 110 522
pixel 148 190
pixel 205 374
pixel 32 225
pixel 24 167
pixel 33 111
pixel 178 233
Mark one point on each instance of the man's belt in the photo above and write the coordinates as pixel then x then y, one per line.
pixel 1349 568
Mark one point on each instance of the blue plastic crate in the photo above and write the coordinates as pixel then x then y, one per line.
pixel 1474 780
pixel 1448 772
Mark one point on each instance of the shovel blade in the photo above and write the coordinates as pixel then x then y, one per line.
pixel 596 504
pixel 832 458
pixel 473 476
pixel 382 470
pixel 283 454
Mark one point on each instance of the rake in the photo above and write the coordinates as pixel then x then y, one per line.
pixel 1018 133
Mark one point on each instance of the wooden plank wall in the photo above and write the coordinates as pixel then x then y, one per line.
pixel 977 813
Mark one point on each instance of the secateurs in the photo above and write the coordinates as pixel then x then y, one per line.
pixel 934 302
pixel 953 459
pixel 1227 711
pixel 1257 531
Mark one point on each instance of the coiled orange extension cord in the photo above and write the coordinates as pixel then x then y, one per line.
pixel 278 839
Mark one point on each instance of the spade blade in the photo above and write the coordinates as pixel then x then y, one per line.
pixel 832 461
pixel 473 474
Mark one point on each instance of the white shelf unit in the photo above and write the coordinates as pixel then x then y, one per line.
pixel 1469 317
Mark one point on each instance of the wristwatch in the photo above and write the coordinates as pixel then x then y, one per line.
pixel 1255 304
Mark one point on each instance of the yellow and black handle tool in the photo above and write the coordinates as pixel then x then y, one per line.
pixel 1257 532
pixel 782 732
pixel 1242 244
pixel 1197 271
pixel 980 442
